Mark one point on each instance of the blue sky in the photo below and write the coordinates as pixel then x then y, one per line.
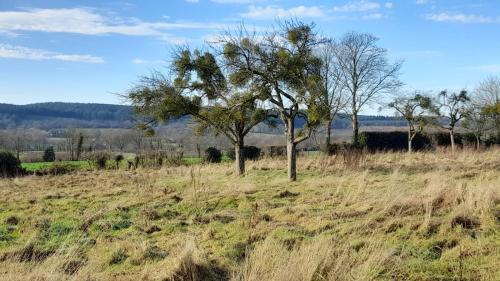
pixel 85 51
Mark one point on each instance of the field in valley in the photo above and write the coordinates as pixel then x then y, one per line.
pixel 385 216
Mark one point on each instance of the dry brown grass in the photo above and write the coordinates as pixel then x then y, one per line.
pixel 392 216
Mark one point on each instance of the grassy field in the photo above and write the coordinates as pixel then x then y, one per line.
pixel 80 165
pixel 84 165
pixel 388 216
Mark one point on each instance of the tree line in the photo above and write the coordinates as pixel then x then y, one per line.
pixel 244 78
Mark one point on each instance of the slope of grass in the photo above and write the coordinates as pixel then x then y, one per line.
pixel 393 216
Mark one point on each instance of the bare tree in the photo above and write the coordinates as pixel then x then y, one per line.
pixel 487 96
pixel 452 107
pixel 332 95
pixel 121 139
pixel 18 140
pixel 476 122
pixel 74 143
pixel 364 72
pixel 414 110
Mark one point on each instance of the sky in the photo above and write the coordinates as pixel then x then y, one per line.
pixel 93 50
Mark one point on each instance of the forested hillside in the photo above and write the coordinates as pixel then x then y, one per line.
pixel 63 115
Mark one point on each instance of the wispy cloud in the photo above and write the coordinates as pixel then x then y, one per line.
pixel 272 12
pixel 19 52
pixel 89 22
pixel 461 18
pixel 422 2
pixel 357 6
pixel 143 61
pixel 236 1
pixel 360 9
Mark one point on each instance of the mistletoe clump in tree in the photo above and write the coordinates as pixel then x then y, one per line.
pixel 415 110
pixel 202 90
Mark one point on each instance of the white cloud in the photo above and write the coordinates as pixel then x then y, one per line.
pixel 421 2
pixel 388 5
pixel 143 61
pixel 461 18
pixel 18 52
pixel 89 22
pixel 236 1
pixel 374 16
pixel 192 1
pixel 357 6
pixel 273 12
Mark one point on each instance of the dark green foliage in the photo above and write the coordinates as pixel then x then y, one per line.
pixel 468 139
pixel 154 253
pixel 49 155
pixel 118 159
pixel 249 152
pixel 443 139
pixel 118 257
pixel 99 160
pixel 275 151
pixel 213 155
pixel 492 140
pixel 10 166
pixel 375 141
pixel 335 148
pixel 56 169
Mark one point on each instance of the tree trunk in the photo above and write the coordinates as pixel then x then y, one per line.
pixel 329 133
pixel 410 139
pixel 355 129
pixel 291 151
pixel 239 158
pixel 478 142
pixel 452 140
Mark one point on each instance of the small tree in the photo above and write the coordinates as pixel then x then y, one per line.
pixel 452 107
pixel 413 110
pixel 203 91
pixel 49 155
pixel 285 70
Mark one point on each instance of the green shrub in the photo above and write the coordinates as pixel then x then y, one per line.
pixel 49 155
pixel 118 159
pixel 10 166
pixel 213 155
pixel 99 160
pixel 249 152
pixel 396 141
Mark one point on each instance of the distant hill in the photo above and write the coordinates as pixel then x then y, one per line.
pixel 63 115
pixel 57 115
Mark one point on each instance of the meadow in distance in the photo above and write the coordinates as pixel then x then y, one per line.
pixel 418 203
